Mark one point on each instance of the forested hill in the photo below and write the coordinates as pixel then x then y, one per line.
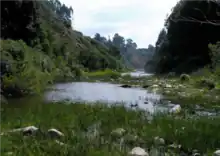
pixel 183 43
pixel 40 45
pixel 133 56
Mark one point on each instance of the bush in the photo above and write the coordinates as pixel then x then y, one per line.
pixel 104 74
pixel 207 83
pixel 184 77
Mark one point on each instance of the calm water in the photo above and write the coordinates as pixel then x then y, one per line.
pixel 99 92
pixel 104 92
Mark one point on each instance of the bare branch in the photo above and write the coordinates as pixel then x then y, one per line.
pixel 194 20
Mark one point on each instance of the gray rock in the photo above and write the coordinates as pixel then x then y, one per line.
pixel 216 153
pixel 159 141
pixel 59 143
pixel 54 133
pixel 137 151
pixel 30 130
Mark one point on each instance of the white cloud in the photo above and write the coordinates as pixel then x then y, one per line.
pixel 140 20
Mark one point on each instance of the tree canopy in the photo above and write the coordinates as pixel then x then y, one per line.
pixel 182 46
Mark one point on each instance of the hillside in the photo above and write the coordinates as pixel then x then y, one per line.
pixel 40 47
pixel 183 43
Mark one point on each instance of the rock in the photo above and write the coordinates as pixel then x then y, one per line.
pixel 118 132
pixel 155 86
pixel 137 151
pixel 174 146
pixel 168 86
pixel 159 141
pixel 216 153
pixel 30 130
pixel 134 105
pixel 3 100
pixel 126 86
pixel 176 109
pixel 59 143
pixel 145 86
pixel 54 133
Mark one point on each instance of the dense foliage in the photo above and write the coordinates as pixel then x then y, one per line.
pixel 182 46
pixel 132 55
pixel 40 46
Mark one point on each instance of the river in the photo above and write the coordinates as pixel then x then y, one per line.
pixel 90 92
pixel 108 93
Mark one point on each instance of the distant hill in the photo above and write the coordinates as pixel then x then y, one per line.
pixel 133 56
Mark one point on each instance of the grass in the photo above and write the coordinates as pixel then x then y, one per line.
pixel 76 120
pixel 189 94
pixel 106 74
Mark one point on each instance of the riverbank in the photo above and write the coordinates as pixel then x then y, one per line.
pixel 197 92
pixel 97 129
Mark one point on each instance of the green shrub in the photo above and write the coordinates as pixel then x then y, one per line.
pixel 107 73
pixel 184 77
pixel 29 67
pixel 207 83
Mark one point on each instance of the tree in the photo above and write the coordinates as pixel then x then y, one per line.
pixel 15 27
pixel 118 41
pixel 191 26
pixel 161 37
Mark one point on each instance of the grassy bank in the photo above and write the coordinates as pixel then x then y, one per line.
pixel 106 74
pixel 88 130
pixel 197 91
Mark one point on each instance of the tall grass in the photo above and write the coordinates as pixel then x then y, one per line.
pixel 88 128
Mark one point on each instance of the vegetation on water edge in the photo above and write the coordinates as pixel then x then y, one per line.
pixel 88 130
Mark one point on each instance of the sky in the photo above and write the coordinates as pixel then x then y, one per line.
pixel 140 20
